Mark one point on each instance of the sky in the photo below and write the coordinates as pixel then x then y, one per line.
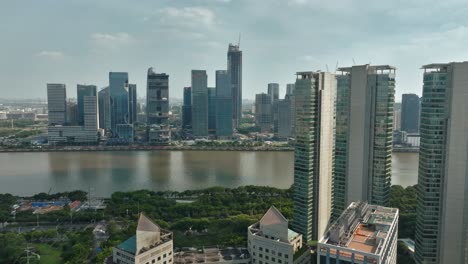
pixel 81 41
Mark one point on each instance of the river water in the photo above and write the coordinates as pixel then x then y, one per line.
pixel 105 172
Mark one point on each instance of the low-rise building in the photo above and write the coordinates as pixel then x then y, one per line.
pixel 271 241
pixel 363 234
pixel 150 244
pixel 70 135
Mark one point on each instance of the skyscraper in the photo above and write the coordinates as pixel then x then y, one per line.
pixel 104 108
pixel 290 96
pixel 364 135
pixel 90 114
pixel 410 113
pixel 284 118
pixel 397 117
pixel 82 91
pixel 442 208
pixel 223 104
pixel 290 89
pixel 263 112
pixel 187 108
pixel 132 103
pixel 118 96
pixel 199 103
pixel 234 68
pixel 313 155
pixel 212 110
pixel 273 91
pixel 57 105
pixel 72 113
pixel 157 97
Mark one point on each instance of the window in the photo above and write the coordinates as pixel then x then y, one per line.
pixel 267 250
pixel 154 261
pixel 260 248
pixel 279 254
pixel 159 258
pixel 164 256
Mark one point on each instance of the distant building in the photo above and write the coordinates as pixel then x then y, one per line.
pixel 82 91
pixel 442 204
pixel 104 109
pixel 397 117
pixel 157 98
pixel 290 87
pixel 71 135
pixel 125 132
pixel 284 118
pixel 224 123
pixel 187 108
pixel 72 114
pixel 199 103
pixel 150 244
pixel 132 103
pixel 90 113
pixel 313 154
pixel 364 135
pixel 118 94
pixel 363 234
pixel 410 105
pixel 263 112
pixel 212 110
pixel 273 91
pixel 56 100
pixel 234 68
pixel 270 241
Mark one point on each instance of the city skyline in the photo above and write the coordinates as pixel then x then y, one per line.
pixel 402 38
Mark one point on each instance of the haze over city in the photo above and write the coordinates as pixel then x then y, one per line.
pixel 81 41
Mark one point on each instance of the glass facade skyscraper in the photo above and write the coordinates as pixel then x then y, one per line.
pixel 263 112
pixel 212 110
pixel 82 91
pixel 118 96
pixel 363 137
pixel 57 103
pixel 234 68
pixel 223 104
pixel 157 98
pixel 313 154
pixel 132 103
pixel 187 108
pixel 410 113
pixel 199 103
pixel 104 108
pixel 442 201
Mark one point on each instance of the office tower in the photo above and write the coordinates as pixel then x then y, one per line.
pixel 104 108
pixel 284 118
pixel 289 89
pixel 57 105
pixel 363 233
pixel 270 241
pixel 223 104
pixel 132 103
pixel 234 68
pixel 364 135
pixel 212 110
pixel 442 208
pixel 313 154
pixel 150 244
pixel 290 96
pixel 263 112
pixel 118 95
pixel 273 91
pixel 157 98
pixel 199 103
pixel 397 117
pixel 410 113
pixel 72 113
pixel 187 108
pixel 90 114
pixel 82 91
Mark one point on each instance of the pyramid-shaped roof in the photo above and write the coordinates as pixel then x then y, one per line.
pixel 147 225
pixel 273 216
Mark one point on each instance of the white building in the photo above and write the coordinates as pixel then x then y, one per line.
pixel 150 245
pixel 363 234
pixel 271 241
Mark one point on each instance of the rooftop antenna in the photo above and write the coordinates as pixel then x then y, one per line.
pixel 238 43
pixel 354 62
pixel 336 67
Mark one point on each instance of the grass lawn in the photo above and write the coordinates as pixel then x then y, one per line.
pixel 49 254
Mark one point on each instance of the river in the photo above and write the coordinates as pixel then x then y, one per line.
pixel 105 172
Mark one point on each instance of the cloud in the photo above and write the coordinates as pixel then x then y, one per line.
pixel 107 39
pixel 50 54
pixel 188 17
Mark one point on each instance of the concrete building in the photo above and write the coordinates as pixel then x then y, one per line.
pixel 90 113
pixel 132 103
pixel 71 135
pixel 410 105
pixel 234 68
pixel 157 97
pixel 397 117
pixel 442 209
pixel 364 135
pixel 263 112
pixel 313 154
pixel 57 106
pixel 213 256
pixel 284 118
pixel 199 103
pixel 271 241
pixel 363 234
pixel 187 108
pixel 72 113
pixel 118 95
pixel 150 244
pixel 82 91
pixel 224 124
pixel 104 109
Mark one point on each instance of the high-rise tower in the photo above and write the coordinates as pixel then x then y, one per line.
pixel 82 91
pixel 199 103
pixel 118 96
pixel 157 98
pixel 234 67
pixel 442 208
pixel 57 105
pixel 364 134
pixel 410 113
pixel 313 155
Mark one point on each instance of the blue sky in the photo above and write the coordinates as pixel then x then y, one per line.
pixel 80 41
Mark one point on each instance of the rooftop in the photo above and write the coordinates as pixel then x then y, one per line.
pixel 211 255
pixel 371 67
pixel 362 227
pixel 128 245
